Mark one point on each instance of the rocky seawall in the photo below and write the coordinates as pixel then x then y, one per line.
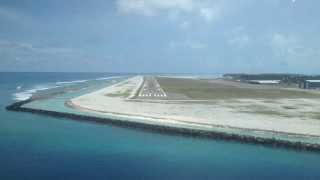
pixel 271 142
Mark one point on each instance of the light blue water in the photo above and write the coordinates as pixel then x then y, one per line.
pixel 40 147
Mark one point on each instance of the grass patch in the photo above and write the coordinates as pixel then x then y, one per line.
pixel 315 116
pixel 120 94
pixel 266 112
pixel 269 101
pixel 204 90
pixel 258 109
pixel 289 107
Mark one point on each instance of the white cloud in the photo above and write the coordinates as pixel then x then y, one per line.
pixel 8 14
pixel 187 44
pixel 15 16
pixel 209 10
pixel 238 37
pixel 206 13
pixel 284 44
pixel 27 47
pixel 152 7
pixel 294 50
pixel 210 14
pixel 21 52
pixel 197 45
pixel 185 25
pixel 239 41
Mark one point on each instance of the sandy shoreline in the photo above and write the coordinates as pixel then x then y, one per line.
pixel 197 116
pixel 179 122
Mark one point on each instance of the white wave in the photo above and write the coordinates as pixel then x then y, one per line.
pixel 24 95
pixel 106 78
pixel 86 80
pixel 71 82
pixel 179 76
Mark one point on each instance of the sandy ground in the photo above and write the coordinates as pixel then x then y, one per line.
pixel 288 116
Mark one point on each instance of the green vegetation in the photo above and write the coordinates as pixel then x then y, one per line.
pixel 266 112
pixel 316 115
pixel 260 109
pixel 219 89
pixel 289 107
pixel 120 94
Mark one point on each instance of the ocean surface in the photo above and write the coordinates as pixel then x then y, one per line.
pixel 41 147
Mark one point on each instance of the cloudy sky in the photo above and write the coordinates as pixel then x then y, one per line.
pixel 181 36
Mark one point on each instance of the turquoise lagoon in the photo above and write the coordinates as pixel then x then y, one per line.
pixel 41 147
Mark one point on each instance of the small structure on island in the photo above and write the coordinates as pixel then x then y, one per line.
pixel 310 84
pixel 265 82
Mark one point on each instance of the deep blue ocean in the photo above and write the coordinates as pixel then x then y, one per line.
pixel 40 147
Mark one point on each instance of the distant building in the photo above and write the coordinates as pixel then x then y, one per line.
pixel 267 82
pixel 310 84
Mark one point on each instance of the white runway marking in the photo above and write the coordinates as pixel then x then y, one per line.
pixel 151 88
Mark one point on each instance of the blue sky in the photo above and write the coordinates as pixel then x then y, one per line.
pixel 172 36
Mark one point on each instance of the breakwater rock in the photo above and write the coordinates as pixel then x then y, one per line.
pixel 271 142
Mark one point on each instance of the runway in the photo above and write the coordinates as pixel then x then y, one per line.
pixel 151 89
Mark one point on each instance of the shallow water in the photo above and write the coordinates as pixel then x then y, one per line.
pixel 41 147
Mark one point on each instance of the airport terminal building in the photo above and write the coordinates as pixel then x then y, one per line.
pixel 310 84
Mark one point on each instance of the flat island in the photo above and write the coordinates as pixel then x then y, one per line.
pixel 283 116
